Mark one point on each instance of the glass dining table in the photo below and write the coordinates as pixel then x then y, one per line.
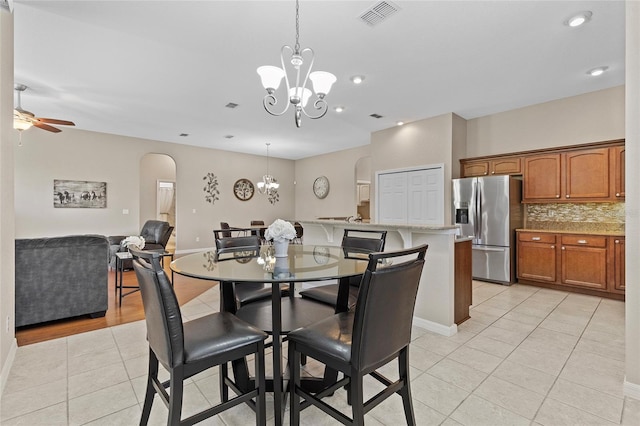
pixel 278 315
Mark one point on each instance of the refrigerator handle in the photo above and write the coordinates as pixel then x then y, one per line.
pixel 478 214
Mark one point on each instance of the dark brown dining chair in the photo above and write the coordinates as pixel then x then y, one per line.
pixel 360 341
pixel 245 247
pixel 186 349
pixel 226 229
pixel 355 240
pixel 259 232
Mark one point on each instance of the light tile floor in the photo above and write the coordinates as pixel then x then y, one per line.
pixel 527 356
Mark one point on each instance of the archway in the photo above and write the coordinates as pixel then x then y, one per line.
pixel 363 185
pixel 158 191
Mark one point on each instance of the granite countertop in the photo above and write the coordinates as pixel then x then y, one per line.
pixel 572 231
pixel 448 228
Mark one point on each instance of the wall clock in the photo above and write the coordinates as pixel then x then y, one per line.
pixel 243 189
pixel 321 187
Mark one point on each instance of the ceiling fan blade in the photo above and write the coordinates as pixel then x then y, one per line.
pixel 45 127
pixel 55 121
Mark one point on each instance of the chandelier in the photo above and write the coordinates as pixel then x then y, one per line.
pixel 298 93
pixel 269 184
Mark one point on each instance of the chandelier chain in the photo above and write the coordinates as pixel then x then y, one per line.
pixel 297 46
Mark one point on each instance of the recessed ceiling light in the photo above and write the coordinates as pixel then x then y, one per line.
pixel 338 108
pixel 579 19
pixel 400 123
pixel 357 79
pixel 597 71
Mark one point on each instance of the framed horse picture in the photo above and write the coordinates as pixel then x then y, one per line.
pixel 79 194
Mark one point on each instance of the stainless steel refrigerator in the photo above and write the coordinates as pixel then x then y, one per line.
pixel 488 210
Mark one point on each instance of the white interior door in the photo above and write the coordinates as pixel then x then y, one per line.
pixel 426 197
pixel 414 197
pixel 392 198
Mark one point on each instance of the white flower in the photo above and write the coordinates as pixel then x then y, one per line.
pixel 133 240
pixel 280 230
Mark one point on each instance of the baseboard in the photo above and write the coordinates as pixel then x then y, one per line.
pixel 631 390
pixel 435 327
pixel 198 250
pixel 6 368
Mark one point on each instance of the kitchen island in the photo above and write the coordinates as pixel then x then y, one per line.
pixel 435 302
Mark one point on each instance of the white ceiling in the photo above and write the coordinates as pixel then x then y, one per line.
pixel 155 69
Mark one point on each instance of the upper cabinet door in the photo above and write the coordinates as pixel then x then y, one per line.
pixel 587 174
pixel 618 171
pixel 475 168
pixel 542 177
pixel 506 166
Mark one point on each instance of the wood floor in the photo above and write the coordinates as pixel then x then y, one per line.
pixel 131 310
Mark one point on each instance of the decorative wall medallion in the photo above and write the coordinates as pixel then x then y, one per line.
pixel 243 189
pixel 321 187
pixel 211 188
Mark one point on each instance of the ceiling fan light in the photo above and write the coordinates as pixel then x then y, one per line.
pixel 20 124
pixel 270 77
pixel 322 82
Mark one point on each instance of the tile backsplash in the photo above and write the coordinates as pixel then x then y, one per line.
pixel 578 217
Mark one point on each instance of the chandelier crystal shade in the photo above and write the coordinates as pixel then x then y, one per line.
pixel 296 88
pixel 268 184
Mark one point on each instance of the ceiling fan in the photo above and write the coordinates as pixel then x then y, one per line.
pixel 23 119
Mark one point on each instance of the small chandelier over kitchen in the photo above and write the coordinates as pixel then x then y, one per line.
pixel 269 183
pixel 298 94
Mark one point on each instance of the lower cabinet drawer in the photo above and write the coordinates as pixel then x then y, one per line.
pixel 585 240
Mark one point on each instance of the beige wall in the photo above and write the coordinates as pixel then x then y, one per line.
pixel 340 169
pixel 592 117
pixel 81 155
pixel 7 142
pixel 420 143
pixel 632 108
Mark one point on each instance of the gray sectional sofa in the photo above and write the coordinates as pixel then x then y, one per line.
pixel 61 277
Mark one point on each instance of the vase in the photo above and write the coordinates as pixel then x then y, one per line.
pixel 281 248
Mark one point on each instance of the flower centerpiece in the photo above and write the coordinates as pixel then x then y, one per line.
pixel 281 232
pixel 133 240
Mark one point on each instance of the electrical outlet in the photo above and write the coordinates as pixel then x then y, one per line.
pixel 551 213
pixel 197 239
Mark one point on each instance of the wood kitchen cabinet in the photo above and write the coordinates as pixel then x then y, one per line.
pixel 584 260
pixel 591 264
pixel 542 177
pixel 617 154
pixel 537 257
pixel 497 166
pixel 580 175
pixel 618 284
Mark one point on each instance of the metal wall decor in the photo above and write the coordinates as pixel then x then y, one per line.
pixel 211 192
pixel 243 189
pixel 79 194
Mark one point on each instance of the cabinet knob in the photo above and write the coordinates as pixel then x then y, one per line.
pixel 562 248
pixel 553 247
pixel 557 196
pixel 568 196
pixel 485 173
pixel 617 241
pixel 617 194
pixel 493 172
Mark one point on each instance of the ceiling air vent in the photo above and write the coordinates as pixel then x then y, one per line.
pixel 231 105
pixel 375 116
pixel 228 136
pixel 378 13
pixel 184 135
